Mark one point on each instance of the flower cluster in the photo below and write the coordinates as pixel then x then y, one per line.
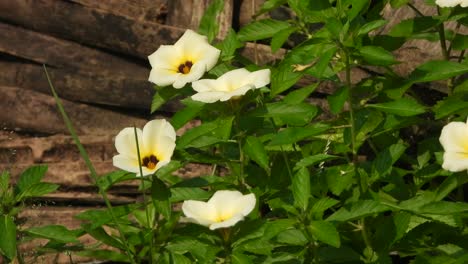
pixel 145 151
pixel 189 58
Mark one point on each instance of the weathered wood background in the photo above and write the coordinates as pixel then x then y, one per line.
pixel 96 54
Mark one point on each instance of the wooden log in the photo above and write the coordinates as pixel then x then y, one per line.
pixel 188 14
pixel 44 49
pixel 80 86
pixel 89 26
pixel 41 114
pixel 151 10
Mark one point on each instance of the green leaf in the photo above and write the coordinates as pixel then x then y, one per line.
pixel 108 255
pixel 38 189
pixel 192 109
pixel 254 148
pixel 293 114
pixel 409 27
pixel 31 176
pixel 301 188
pixel 101 235
pixel 261 29
pixel 358 210
pixel 54 232
pixel 376 55
pixel 283 77
pixel 383 164
pixel 460 42
pixel 208 26
pixel 337 100
pixel 444 208
pixel 437 70
pixel 99 217
pixel 326 232
pixel 198 249
pixel 299 95
pixel 457 103
pixel 320 206
pixel 239 258
pixel 291 135
pixel 368 27
pixel 398 3
pixel 280 38
pixel 160 195
pixel 7 237
pixel 4 182
pixel 186 193
pixel 229 45
pixel 292 237
pixel 162 95
pixel 206 134
pixel 312 160
pixel 401 107
pixel 106 181
pixel 270 5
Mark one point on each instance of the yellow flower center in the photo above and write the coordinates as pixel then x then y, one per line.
pixel 223 217
pixel 184 68
pixel 150 162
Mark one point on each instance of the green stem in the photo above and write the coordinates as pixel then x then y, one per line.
pixel 144 197
pixel 19 255
pixel 365 235
pixel 351 107
pixel 445 51
pixel 90 166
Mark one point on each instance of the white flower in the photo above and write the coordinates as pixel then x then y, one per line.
pixel 224 209
pixel 452 3
pixel 184 62
pixel 156 143
pixel 231 84
pixel 454 140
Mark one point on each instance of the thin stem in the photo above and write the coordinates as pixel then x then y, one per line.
pixel 351 107
pixel 19 255
pixel 365 235
pixel 415 10
pixel 144 196
pixel 90 166
pixel 445 51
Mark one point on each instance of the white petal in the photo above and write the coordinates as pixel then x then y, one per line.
pixel 163 77
pixel 455 162
pixel 235 78
pixel 161 163
pixel 197 48
pixel 125 141
pixel 164 148
pixel 231 203
pixel 200 212
pixel 259 78
pixel 238 92
pixel 454 137
pixel 205 85
pixel 166 57
pixel 208 55
pixel 208 97
pixel 156 131
pixel 447 3
pixel 130 164
pixel 230 222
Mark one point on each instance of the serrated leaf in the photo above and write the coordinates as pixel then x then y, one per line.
pixel 162 95
pixel 292 237
pixel 106 181
pixel 301 188
pixel 54 232
pixel 460 42
pixel 312 160
pixel 160 195
pixel 326 232
pixel 401 107
pixel 101 235
pixel 320 206
pixel 31 176
pixel 206 134
pixel 191 110
pixel 185 193
pixel 337 99
pixel 7 236
pixel 376 55
pixel 293 114
pixel 358 210
pixel 229 45
pixel 280 38
pixel 108 255
pixel 299 95
pixel 261 29
pixel 383 164
pixel 451 105
pixel 437 70
pixel 208 26
pixel 291 135
pixel 408 27
pixel 368 27
pixel 444 208
pixel 37 190
pixel 254 148
pixel 99 217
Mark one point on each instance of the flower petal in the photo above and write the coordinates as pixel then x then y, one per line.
pixel 229 222
pixel 166 57
pixel 238 92
pixel 196 72
pixel 259 78
pixel 199 212
pixel 125 141
pixel 455 162
pixel 163 77
pixel 155 131
pixel 205 85
pixel 208 97
pixel 130 164
pixel 454 137
pixel 231 203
